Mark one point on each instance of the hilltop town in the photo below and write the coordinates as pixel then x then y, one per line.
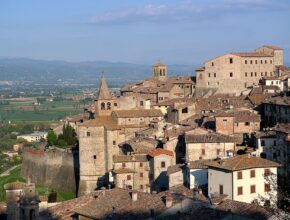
pixel 210 146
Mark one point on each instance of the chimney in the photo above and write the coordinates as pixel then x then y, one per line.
pixel 168 201
pixel 134 196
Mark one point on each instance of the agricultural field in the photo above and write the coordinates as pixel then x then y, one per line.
pixel 15 176
pixel 27 110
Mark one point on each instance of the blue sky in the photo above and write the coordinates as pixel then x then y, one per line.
pixel 141 31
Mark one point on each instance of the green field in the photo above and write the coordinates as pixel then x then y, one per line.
pixel 15 175
pixel 48 111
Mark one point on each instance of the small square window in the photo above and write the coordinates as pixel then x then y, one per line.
pixel 95 156
pixel 128 177
pixel 267 187
pixel 141 165
pixel 231 60
pixel 231 74
pixel 267 172
pixel 123 165
pixel 114 142
pixel 203 151
pixel 141 175
pixel 163 164
pixel 88 134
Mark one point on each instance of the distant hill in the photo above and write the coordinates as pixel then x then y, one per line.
pixel 45 72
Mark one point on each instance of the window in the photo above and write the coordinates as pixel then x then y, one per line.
pixel 212 63
pixel 247 123
pixel 267 172
pixel 203 151
pixel 109 106
pixel 214 74
pixel 271 61
pixel 256 61
pixel 246 62
pixel 265 73
pixel 255 73
pixel 225 122
pixel 163 164
pixel 221 189
pixel 253 188
pixel 184 110
pixel 246 74
pixel 115 104
pixel 114 142
pixel 240 190
pixel 208 74
pixel 103 106
pixel 218 151
pixel 95 156
pixel 231 60
pixel 141 103
pixel 141 165
pixel 128 177
pixel 251 61
pixel 261 73
pixel 261 61
pixel 253 173
pixel 240 175
pixel 141 175
pixel 265 61
pixel 123 165
pixel 208 83
pixel 252 74
pixel 231 74
pixel 141 187
pixel 267 187
pixel 88 134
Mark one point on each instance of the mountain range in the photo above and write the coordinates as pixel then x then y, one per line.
pixel 45 72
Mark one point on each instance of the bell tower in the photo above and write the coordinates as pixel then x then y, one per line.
pixel 159 71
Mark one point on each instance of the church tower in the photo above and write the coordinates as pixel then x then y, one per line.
pixel 104 102
pixel 159 71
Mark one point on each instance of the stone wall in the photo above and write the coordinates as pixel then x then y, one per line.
pixel 55 169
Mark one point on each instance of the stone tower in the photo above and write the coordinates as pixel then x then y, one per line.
pixel 29 203
pixel 104 102
pixel 22 201
pixel 274 51
pixel 159 71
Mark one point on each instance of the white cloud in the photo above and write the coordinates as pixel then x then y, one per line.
pixel 187 10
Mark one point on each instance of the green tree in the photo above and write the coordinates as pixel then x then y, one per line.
pixel 52 138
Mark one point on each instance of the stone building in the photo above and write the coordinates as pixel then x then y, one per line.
pixel 159 88
pixel 237 121
pixel 160 160
pixel 98 142
pixel 235 72
pixel 276 110
pixel 22 201
pixel 243 178
pixel 203 144
pixel 131 171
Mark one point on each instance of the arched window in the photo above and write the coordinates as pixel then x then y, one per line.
pixel 108 105
pixel 103 106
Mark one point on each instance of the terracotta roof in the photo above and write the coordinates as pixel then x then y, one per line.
pixel 283 68
pixel 174 169
pixel 273 47
pixel 159 151
pixel 252 54
pixel 138 113
pixel 210 137
pixel 200 69
pixel 244 209
pixel 242 162
pixel 104 92
pixel 118 203
pixel 123 170
pixel 257 99
pixel 14 185
pixel 108 122
pixel 284 128
pixel 129 158
pixel 278 100
pixel 241 115
pixel 198 164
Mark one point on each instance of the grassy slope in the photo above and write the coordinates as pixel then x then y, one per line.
pixel 15 175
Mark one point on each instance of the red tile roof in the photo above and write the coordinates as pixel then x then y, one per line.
pixel 252 54
pixel 159 151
